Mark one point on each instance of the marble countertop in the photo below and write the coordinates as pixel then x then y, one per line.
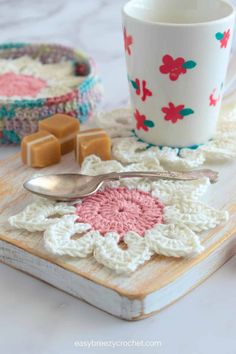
pixel 35 317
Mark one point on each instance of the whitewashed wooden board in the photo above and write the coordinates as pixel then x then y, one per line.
pixel 155 285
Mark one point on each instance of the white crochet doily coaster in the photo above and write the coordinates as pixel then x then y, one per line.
pixel 128 148
pixel 125 222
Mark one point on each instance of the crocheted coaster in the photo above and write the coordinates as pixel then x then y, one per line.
pixel 128 148
pixel 39 80
pixel 125 222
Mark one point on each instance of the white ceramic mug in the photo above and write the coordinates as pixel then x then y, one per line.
pixel 177 53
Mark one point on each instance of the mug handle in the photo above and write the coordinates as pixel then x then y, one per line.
pixel 230 86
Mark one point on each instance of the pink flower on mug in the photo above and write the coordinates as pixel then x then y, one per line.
pixel 142 122
pixel 214 97
pixel 223 38
pixel 141 89
pixel 175 67
pixel 174 113
pixel 128 41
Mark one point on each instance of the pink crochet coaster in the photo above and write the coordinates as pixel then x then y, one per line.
pixel 126 222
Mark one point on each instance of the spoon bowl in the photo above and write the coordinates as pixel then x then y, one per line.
pixel 63 187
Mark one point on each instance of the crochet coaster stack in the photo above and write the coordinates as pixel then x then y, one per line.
pixel 40 80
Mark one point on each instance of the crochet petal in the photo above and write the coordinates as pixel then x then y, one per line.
pixel 129 150
pixel 173 240
pixel 223 147
pixel 195 214
pixel 168 191
pixel 118 122
pixel 108 252
pixel 93 165
pixel 171 159
pixel 57 238
pixel 36 216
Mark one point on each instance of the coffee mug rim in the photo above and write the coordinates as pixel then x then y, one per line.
pixel 171 24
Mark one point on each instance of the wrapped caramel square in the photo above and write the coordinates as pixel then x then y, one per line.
pixel 92 142
pixel 40 149
pixel 64 128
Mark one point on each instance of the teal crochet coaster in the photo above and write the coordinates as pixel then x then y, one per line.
pixel 39 80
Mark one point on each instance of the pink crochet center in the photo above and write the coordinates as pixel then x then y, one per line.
pixel 12 84
pixel 120 210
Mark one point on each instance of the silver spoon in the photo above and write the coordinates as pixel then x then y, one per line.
pixel 72 186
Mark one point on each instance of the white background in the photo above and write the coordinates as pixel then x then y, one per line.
pixel 35 317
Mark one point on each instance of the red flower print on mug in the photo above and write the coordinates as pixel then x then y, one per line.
pixel 142 121
pixel 215 96
pixel 128 41
pixel 213 100
pixel 223 38
pixel 175 67
pixel 174 113
pixel 141 89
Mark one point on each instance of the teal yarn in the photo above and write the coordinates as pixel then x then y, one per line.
pixel 192 147
pixel 10 136
pixel 12 45
pixel 7 113
pixel 29 104
pixel 84 111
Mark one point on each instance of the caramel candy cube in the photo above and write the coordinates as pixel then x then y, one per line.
pixel 40 149
pixel 92 142
pixel 64 128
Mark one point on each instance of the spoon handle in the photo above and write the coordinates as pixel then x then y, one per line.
pixel 167 175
